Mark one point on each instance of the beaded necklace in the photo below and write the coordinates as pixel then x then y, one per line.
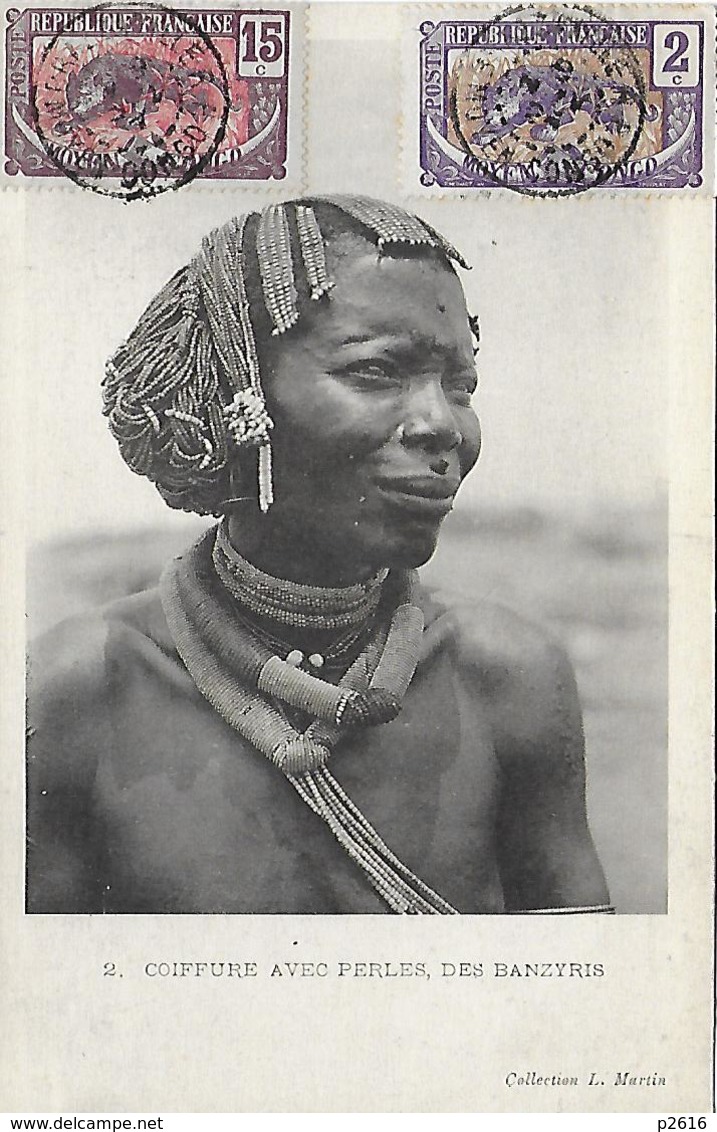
pixel 292 603
pixel 338 654
pixel 249 687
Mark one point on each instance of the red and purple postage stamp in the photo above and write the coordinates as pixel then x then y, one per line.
pixel 131 100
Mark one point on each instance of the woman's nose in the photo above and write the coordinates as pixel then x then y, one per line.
pixel 429 421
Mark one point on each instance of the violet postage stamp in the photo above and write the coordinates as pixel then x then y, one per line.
pixel 130 101
pixel 560 99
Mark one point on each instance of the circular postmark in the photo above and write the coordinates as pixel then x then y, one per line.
pixel 543 106
pixel 130 101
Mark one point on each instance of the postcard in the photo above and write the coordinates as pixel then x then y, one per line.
pixel 356 571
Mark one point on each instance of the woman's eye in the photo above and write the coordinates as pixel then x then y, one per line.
pixel 368 373
pixel 462 391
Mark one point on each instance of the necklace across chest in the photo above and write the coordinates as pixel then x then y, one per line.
pixel 251 688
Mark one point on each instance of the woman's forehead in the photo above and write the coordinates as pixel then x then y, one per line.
pixel 379 296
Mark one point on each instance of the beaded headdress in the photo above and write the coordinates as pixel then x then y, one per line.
pixel 185 388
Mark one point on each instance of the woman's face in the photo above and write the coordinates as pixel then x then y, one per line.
pixel 373 427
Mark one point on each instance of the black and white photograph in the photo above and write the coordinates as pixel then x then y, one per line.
pixel 310 379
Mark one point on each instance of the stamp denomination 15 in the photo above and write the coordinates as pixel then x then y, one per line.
pixel 133 99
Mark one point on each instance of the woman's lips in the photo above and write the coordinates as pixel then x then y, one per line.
pixel 420 495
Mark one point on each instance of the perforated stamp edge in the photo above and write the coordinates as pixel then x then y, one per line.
pixel 291 177
pixel 418 182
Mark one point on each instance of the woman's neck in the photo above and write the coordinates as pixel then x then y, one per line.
pixel 305 616
pixel 292 554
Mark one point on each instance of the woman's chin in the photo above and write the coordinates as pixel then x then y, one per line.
pixel 410 552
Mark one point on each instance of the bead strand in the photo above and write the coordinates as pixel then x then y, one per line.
pixel 239 283
pixel 403 891
pixel 372 847
pixel 273 249
pixel 217 312
pixel 301 690
pixel 266 485
pixel 377 877
pixel 391 225
pixel 223 301
pixel 313 252
pixel 376 840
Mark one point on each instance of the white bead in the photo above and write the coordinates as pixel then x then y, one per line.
pixel 316 659
pixel 295 658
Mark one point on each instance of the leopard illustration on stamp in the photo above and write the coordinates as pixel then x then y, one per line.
pixel 551 100
pixel 135 99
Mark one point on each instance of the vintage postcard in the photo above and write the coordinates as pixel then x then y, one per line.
pixel 357 404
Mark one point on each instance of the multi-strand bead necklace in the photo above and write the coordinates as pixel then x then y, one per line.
pixel 291 603
pixel 253 687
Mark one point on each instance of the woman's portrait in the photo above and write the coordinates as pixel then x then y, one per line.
pixel 289 719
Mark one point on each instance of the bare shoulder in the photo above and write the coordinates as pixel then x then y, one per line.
pixel 520 671
pixel 501 645
pixel 74 674
pixel 69 655
pixel 500 648
pixel 77 655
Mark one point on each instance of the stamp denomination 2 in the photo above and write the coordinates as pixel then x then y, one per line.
pixel 133 100
pixel 559 100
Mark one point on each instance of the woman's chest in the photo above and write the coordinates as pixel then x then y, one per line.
pixel 196 820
